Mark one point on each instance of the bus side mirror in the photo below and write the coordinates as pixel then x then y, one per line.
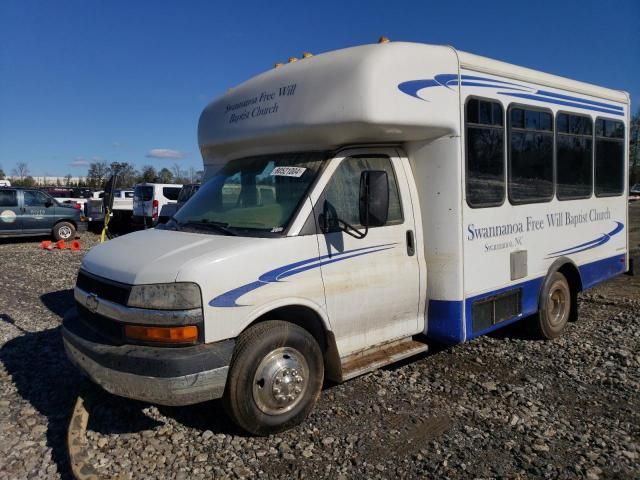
pixel 374 198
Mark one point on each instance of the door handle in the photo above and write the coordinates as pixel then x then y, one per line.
pixel 411 244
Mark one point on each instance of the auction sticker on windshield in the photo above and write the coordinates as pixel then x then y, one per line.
pixel 288 171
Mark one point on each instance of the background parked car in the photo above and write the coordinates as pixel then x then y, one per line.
pixel 170 209
pixel 148 200
pixel 121 211
pixel 29 212
pixel 76 197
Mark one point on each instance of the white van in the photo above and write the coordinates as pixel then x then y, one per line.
pixel 5 183
pixel 358 205
pixel 148 200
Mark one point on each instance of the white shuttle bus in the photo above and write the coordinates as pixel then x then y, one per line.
pixel 357 205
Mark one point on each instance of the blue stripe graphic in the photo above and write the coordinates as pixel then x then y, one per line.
pixel 561 102
pixel 229 299
pixel 601 240
pixel 567 97
pixel 448 80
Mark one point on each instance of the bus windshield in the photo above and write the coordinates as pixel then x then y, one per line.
pixel 259 194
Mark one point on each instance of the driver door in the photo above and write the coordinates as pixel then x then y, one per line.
pixel 39 211
pixel 371 284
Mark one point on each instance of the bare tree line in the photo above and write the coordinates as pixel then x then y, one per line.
pixel 99 172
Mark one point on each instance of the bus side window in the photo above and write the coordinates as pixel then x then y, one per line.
pixel 609 158
pixel 530 155
pixel 574 153
pixel 484 153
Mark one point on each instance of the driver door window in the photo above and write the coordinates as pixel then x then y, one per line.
pixel 343 190
pixel 34 198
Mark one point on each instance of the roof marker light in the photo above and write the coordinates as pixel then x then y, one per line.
pixel 307 54
pixel 293 59
pixel 383 39
pixel 278 65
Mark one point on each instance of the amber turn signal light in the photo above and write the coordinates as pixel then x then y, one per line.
pixel 162 334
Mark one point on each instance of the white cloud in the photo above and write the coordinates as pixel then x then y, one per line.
pixel 79 162
pixel 165 153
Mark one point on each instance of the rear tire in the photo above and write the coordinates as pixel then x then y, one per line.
pixel 275 378
pixel 555 307
pixel 64 231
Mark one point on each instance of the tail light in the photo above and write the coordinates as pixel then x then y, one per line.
pixel 154 212
pixel 78 206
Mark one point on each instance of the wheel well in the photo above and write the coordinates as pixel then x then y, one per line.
pixel 68 220
pixel 306 318
pixel 571 273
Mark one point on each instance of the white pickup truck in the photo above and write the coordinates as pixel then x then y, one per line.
pixel 76 197
pixel 121 210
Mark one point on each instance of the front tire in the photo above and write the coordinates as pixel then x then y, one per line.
pixel 276 375
pixel 555 307
pixel 64 231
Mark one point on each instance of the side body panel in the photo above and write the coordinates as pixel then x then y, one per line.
pixel 244 284
pixel 591 233
pixel 469 250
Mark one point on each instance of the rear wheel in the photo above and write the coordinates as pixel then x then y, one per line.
pixel 275 379
pixel 555 307
pixel 64 231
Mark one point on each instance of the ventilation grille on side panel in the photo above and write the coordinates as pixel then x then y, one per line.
pixel 495 309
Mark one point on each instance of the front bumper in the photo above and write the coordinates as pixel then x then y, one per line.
pixel 163 375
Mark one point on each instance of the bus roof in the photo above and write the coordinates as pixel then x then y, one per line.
pixel 363 94
pixel 481 64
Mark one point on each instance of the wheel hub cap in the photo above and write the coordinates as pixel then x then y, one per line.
pixel 557 305
pixel 280 381
pixel 65 232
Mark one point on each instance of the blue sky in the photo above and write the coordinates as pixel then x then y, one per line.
pixel 119 80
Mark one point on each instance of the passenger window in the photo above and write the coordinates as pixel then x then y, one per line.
pixel 171 192
pixel 8 198
pixel 609 158
pixel 574 153
pixel 485 153
pixel 343 190
pixel 530 156
pixel 33 198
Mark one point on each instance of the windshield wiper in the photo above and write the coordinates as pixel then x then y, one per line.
pixel 208 224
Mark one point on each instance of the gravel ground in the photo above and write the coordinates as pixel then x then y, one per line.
pixel 503 406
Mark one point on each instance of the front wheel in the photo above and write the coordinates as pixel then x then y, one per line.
pixel 555 307
pixel 64 231
pixel 276 375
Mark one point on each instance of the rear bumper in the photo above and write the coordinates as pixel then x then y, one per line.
pixel 162 375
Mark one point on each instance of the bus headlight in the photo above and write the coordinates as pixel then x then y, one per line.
pixel 166 296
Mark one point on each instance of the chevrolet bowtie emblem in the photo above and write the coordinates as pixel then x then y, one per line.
pixel 92 302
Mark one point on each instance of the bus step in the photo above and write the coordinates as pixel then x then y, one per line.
pixel 379 356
